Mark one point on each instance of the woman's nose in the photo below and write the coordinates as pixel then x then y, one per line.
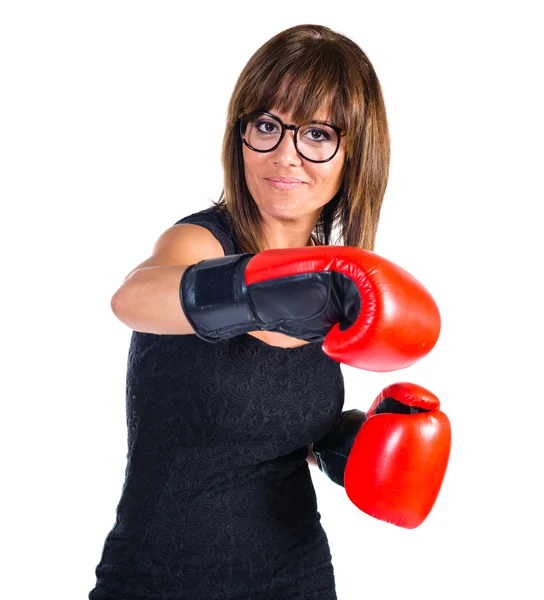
pixel 286 153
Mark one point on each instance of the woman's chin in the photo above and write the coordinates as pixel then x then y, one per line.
pixel 286 209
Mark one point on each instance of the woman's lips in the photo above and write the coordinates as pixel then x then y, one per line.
pixel 284 184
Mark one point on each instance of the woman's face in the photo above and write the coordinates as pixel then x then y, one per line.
pixel 312 184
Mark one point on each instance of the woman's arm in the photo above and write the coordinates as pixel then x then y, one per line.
pixel 149 299
pixel 310 459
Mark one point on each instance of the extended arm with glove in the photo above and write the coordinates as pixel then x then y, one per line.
pixel 367 312
pixel 391 460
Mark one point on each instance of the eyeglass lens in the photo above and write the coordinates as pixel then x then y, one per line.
pixel 314 140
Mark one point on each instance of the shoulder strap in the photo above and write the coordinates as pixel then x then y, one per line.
pixel 215 220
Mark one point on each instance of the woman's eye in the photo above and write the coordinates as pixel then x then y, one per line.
pixel 266 126
pixel 317 135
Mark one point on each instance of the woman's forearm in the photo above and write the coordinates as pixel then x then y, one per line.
pixel 149 301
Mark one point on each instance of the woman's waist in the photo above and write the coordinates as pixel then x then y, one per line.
pixel 215 504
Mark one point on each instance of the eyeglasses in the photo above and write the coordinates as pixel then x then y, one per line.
pixel 317 141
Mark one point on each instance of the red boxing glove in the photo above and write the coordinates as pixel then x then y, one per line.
pixel 368 312
pixel 399 457
pixel 398 322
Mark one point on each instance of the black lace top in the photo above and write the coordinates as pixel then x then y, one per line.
pixel 218 502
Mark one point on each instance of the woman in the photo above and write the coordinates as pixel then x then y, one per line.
pixel 218 500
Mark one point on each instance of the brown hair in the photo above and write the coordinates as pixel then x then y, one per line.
pixel 303 69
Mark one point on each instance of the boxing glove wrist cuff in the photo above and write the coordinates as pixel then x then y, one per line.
pixel 214 299
pixel 332 450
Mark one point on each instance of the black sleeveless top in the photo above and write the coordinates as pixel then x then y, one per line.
pixel 218 501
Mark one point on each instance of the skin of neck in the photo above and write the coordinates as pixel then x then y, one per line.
pixel 287 234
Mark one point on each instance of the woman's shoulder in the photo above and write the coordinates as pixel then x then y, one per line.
pixel 216 220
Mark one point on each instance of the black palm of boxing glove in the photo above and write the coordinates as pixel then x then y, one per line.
pixel 332 450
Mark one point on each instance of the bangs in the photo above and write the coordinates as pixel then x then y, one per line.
pixel 305 85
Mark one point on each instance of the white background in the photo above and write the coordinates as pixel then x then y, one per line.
pixel 111 122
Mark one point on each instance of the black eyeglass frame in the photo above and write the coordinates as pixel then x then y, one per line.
pixel 289 126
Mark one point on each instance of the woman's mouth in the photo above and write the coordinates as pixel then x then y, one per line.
pixel 284 183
